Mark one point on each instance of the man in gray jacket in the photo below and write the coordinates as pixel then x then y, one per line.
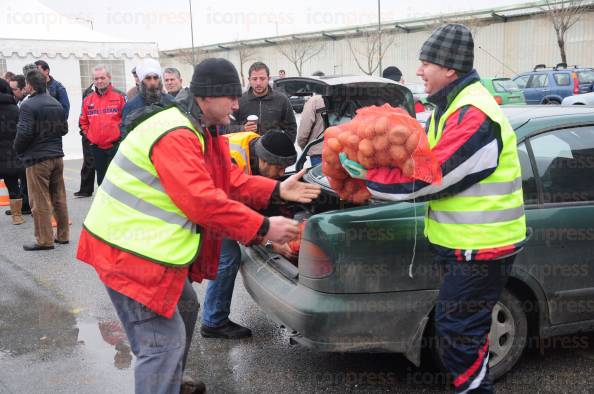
pixel 272 108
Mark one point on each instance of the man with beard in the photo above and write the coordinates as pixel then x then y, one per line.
pixel 272 108
pixel 150 96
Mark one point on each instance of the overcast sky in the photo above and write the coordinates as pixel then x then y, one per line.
pixel 167 22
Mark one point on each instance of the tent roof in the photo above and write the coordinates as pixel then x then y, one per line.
pixel 33 28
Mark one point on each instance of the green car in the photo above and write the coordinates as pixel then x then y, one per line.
pixel 366 281
pixel 504 90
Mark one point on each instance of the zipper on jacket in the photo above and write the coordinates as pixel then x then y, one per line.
pixel 260 118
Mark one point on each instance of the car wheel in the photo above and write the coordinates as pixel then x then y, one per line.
pixel 508 336
pixel 551 102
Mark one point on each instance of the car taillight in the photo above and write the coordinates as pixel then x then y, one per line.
pixel 419 107
pixel 313 261
pixel 498 100
pixel 576 83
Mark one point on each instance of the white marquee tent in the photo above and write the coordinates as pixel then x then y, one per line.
pixel 30 31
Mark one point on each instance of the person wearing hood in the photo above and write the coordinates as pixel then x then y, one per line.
pixel 100 119
pixel 150 95
pixel 169 197
pixel 268 155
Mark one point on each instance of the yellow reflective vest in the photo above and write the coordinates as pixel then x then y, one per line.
pixel 490 213
pixel 239 145
pixel 131 210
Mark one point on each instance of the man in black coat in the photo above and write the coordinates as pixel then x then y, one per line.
pixel 272 108
pixel 11 168
pixel 38 143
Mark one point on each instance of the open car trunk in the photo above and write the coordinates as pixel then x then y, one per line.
pixel 328 234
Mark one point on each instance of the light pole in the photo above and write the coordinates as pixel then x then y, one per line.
pixel 379 37
pixel 192 32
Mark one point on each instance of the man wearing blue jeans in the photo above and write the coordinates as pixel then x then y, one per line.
pixel 146 343
pixel 266 156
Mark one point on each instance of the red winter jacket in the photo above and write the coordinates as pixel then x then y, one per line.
pixel 211 192
pixel 101 117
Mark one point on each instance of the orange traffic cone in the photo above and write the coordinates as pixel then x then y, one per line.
pixel 4 199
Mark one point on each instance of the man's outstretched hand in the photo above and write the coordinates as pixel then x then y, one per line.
pixel 292 189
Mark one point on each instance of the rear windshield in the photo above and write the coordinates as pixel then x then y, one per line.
pixel 505 85
pixel 343 102
pixel 586 76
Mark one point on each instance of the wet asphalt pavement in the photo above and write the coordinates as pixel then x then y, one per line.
pixel 59 334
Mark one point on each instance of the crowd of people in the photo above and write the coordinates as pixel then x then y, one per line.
pixel 179 168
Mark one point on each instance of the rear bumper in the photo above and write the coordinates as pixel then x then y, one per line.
pixel 376 322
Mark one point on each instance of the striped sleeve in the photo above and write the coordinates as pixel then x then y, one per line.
pixel 468 152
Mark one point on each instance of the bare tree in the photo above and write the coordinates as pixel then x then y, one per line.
pixel 299 51
pixel 563 15
pixel 185 56
pixel 246 54
pixel 367 55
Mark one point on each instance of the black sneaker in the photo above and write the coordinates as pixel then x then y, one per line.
pixel 80 194
pixel 228 330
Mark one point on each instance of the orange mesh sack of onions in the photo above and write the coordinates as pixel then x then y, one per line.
pixel 377 137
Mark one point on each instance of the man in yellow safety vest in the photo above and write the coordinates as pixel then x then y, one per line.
pixel 475 221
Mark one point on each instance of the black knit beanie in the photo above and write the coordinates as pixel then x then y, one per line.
pixel 215 78
pixel 275 147
pixel 392 73
pixel 450 46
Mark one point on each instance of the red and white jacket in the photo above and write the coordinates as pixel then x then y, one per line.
pixel 101 117
pixel 468 152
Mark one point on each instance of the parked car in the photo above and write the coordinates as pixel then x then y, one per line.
pixel 343 94
pixel 420 97
pixel 579 99
pixel 351 290
pixel 504 90
pixel 551 85
pixel 296 93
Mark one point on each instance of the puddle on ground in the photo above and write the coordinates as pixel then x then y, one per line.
pixel 34 321
pixel 106 341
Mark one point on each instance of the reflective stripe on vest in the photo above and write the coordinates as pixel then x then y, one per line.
pixel 132 211
pixel 239 146
pixel 128 199
pixel 490 213
pixel 491 189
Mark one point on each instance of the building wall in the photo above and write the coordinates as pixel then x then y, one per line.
pixel 501 49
